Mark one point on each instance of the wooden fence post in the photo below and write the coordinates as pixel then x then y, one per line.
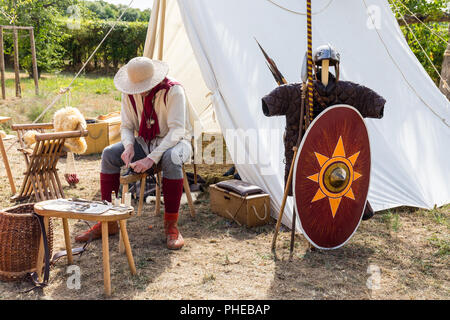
pixel 16 63
pixel 2 64
pixel 33 57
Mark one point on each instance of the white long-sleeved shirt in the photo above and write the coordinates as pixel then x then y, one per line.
pixel 175 122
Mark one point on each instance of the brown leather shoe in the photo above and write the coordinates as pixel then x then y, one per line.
pixel 175 242
pixel 95 232
pixel 174 238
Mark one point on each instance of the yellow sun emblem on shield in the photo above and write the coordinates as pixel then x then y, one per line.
pixel 335 177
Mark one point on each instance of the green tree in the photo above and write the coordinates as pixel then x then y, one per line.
pixel 96 8
pixel 434 14
pixel 41 15
pixel 123 43
pixel 108 11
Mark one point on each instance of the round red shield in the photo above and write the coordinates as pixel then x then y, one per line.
pixel 331 177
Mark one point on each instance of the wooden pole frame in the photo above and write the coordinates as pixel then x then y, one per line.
pixel 15 30
pixel 34 60
pixel 2 63
pixel 16 63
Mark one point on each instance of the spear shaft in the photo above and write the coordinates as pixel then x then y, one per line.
pixel 307 87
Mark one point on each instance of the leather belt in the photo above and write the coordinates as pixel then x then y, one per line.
pixel 48 262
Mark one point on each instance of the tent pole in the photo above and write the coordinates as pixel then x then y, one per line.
pixel 161 29
pixel 149 49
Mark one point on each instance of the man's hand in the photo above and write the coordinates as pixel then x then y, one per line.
pixel 128 155
pixel 142 165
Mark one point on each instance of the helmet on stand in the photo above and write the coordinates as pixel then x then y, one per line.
pixel 326 52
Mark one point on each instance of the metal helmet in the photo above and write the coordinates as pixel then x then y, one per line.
pixel 327 52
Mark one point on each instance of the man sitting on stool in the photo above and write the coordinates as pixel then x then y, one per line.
pixel 157 109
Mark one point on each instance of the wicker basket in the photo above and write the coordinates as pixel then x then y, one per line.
pixel 20 235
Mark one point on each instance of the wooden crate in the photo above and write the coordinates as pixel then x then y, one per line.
pixel 102 134
pixel 114 122
pixel 252 210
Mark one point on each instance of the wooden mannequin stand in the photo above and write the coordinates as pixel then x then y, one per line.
pixel 325 70
pixel 15 30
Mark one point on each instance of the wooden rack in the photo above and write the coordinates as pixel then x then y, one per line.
pixel 41 180
pixel 15 31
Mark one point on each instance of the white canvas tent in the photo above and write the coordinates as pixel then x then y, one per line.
pixel 210 47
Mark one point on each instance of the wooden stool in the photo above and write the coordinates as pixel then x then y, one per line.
pixel 187 190
pixel 132 178
pixel 125 181
pixel 104 218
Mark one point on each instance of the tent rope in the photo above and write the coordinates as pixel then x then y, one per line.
pixel 401 72
pixel 298 12
pixel 423 50
pixel 417 18
pixel 66 89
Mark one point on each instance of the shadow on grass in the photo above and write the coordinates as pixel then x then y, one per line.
pixel 337 274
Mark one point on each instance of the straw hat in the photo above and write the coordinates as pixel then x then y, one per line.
pixel 140 74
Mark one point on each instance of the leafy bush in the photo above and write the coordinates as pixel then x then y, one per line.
pixel 434 46
pixel 62 42
pixel 124 42
pixel 67 48
pixel 41 15
pixel 108 11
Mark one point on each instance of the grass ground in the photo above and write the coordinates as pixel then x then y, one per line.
pixel 403 253
pixel 93 95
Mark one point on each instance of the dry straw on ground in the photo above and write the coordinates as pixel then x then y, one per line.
pixel 224 261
